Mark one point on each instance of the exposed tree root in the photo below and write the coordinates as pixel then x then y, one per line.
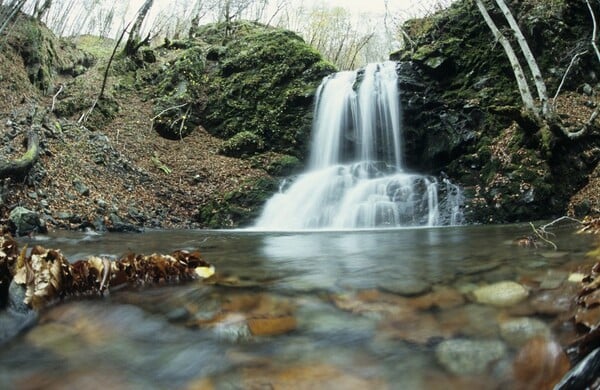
pixel 21 165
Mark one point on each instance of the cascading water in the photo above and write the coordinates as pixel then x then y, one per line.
pixel 356 177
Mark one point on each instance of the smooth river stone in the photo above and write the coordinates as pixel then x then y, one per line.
pixel 407 287
pixel 505 293
pixel 516 332
pixel 469 357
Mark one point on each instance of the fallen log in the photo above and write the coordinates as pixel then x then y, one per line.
pixel 21 165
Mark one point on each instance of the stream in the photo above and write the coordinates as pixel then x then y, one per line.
pixel 350 309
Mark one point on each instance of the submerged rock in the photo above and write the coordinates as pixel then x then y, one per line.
pixel 406 287
pixel 517 332
pixel 308 376
pixel 17 316
pixel 540 364
pixel 469 357
pixel 25 221
pixel 505 293
pixel 271 326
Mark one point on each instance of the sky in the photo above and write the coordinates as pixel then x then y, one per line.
pixel 406 8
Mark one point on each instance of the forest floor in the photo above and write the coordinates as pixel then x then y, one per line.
pixel 122 173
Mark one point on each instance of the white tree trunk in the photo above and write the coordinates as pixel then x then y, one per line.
pixel 531 62
pixel 512 57
pixel 594 44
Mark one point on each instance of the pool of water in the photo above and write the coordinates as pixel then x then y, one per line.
pixel 350 309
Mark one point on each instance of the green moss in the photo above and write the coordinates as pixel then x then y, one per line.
pixel 180 91
pixel 239 207
pixel 284 165
pixel 242 144
pixel 264 83
pixel 44 55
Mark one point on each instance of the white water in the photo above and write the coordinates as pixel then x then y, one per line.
pixel 356 176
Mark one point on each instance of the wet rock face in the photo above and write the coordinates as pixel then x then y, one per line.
pixel 434 132
pixel 463 114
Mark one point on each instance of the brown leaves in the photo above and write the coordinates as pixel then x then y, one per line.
pixel 590 225
pixel 9 252
pixel 588 313
pixel 47 275
pixel 587 316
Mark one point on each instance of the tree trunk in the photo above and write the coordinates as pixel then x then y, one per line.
pixel 11 12
pixel 512 57
pixel 21 165
pixel 40 12
pixel 531 62
pixel 133 42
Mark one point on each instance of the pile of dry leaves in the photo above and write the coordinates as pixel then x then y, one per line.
pixel 48 276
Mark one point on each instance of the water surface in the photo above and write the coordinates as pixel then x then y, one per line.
pixel 367 308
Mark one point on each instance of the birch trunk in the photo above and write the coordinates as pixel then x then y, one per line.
pixel 531 62
pixel 512 57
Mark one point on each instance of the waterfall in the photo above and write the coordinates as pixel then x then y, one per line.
pixel 356 176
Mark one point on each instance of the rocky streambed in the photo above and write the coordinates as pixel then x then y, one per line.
pixel 424 308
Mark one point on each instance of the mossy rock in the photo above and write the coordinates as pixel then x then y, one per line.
pixel 264 82
pixel 180 87
pixel 44 55
pixel 284 165
pixel 242 144
pixel 237 208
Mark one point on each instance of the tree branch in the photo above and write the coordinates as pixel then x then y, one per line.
pixel 21 165
pixel 55 96
pixel 565 76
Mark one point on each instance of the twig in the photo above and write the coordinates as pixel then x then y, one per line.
pixel 55 96
pixel 543 234
pixel 165 110
pixel 565 77
pixel 537 233
pixel 563 218
pixel 110 60
pixel 86 114
pixel 187 112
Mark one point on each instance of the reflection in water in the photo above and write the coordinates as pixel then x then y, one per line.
pixel 326 295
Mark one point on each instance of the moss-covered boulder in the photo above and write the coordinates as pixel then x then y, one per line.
pixel 263 81
pixel 180 91
pixel 247 83
pixel 463 113
pixel 239 207
pixel 44 55
pixel 243 144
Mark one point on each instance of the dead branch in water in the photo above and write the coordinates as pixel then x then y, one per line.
pixel 47 275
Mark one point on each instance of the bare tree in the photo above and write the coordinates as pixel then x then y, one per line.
pixel 544 112
pixel 8 14
pixel 512 57
pixel 134 41
pixel 40 10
